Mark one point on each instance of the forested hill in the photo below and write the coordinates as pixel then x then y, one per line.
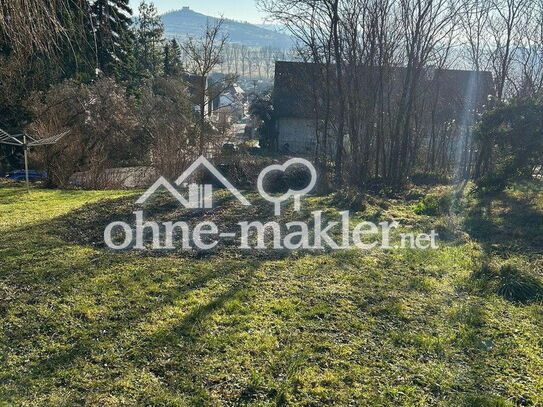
pixel 188 22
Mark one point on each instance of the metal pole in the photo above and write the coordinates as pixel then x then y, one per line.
pixel 25 148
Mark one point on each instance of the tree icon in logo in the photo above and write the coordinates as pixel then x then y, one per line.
pixel 296 194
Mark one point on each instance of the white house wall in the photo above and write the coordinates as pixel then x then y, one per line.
pixel 299 134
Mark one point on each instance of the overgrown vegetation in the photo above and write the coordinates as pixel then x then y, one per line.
pixel 384 101
pixel 113 81
pixel 457 326
pixel 83 325
pixel 511 146
pixel 434 205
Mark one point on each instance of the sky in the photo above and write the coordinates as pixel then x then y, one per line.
pixel 243 10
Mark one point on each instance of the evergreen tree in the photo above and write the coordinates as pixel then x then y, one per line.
pixel 176 57
pixel 167 60
pixel 149 33
pixel 111 21
pixel 126 68
pixel 78 51
pixel 172 59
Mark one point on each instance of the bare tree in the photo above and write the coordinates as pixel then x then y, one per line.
pixel 505 16
pixel 529 58
pixel 474 18
pixel 203 55
pixel 166 124
pixel 316 29
pixel 380 85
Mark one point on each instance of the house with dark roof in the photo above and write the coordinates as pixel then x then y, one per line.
pixel 303 92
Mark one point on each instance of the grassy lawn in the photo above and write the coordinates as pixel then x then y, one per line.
pixel 81 325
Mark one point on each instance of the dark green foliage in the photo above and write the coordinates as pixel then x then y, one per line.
pixel 93 37
pixel 111 21
pixel 77 52
pixel 492 183
pixel 172 59
pixel 511 144
pixel 149 33
pixel 518 285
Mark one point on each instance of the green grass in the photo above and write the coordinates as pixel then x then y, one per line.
pixel 80 325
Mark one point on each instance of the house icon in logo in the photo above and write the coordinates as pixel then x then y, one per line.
pixel 199 196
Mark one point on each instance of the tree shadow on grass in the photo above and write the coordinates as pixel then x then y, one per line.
pixel 85 226
pixel 170 352
pixel 83 277
pixel 73 276
pixel 506 224
pixel 116 321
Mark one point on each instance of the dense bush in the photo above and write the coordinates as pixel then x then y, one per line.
pixel 491 183
pixel 109 129
pixel 510 144
pixel 295 178
pixel 102 124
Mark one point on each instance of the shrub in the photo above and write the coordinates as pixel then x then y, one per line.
pixel 510 144
pixel 102 124
pixel 433 205
pixel 517 285
pixel 491 184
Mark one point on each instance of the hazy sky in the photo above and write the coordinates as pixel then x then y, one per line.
pixel 234 9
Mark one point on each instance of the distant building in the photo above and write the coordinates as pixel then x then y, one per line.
pixel 300 107
pixel 229 104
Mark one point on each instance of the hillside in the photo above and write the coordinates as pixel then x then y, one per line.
pixel 185 22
